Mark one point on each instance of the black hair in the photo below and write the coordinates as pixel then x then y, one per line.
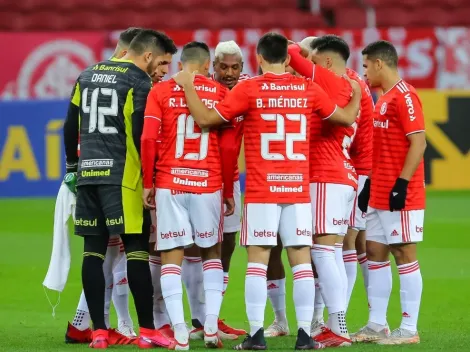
pixel 273 48
pixel 195 52
pixel 130 33
pixel 331 43
pixel 382 50
pixel 151 40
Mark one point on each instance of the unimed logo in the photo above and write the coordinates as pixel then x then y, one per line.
pixel 264 233
pixel 170 234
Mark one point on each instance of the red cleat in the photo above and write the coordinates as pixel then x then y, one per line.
pixel 167 331
pixel 329 339
pixel 73 335
pixel 100 339
pixel 151 338
pixel 226 329
pixel 116 338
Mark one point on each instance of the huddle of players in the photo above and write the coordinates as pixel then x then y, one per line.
pixel 282 129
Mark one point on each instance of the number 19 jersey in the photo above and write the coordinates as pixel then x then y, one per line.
pixel 188 156
pixel 277 110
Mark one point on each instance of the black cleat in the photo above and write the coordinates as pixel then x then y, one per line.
pixel 305 342
pixel 253 343
pixel 196 324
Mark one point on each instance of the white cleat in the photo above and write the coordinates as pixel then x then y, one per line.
pixel 196 334
pixel 400 337
pixel 126 330
pixel 212 341
pixel 366 334
pixel 276 329
pixel 317 327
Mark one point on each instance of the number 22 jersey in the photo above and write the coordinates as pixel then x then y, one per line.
pixel 277 109
pixel 188 156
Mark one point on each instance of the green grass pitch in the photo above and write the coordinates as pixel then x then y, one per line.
pixel 26 322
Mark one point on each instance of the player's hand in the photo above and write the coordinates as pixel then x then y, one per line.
pixel 398 194
pixel 70 180
pixel 356 87
pixel 230 206
pixel 148 197
pixel 363 198
pixel 184 78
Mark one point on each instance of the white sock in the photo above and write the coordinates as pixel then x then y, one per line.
pixel 193 281
pixel 82 318
pixel 255 295
pixel 319 305
pixel 411 288
pixel 331 286
pixel 120 293
pixel 362 259
pixel 213 288
pixel 329 277
pixel 378 292
pixel 304 299
pixel 160 315
pixel 172 292
pixel 342 270
pixel 277 296
pixel 112 253
pixel 225 282
pixel 350 264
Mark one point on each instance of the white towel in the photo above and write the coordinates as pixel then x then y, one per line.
pixel 59 265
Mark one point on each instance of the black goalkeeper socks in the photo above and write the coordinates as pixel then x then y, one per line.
pixel 94 288
pixel 140 284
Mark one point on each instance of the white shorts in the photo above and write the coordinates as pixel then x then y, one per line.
pixel 357 220
pixel 331 207
pixel 232 222
pixel 153 228
pixel 395 227
pixel 186 218
pixel 262 222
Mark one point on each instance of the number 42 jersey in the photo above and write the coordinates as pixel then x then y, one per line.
pixel 188 156
pixel 106 114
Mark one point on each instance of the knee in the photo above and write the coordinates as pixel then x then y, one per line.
pixel 404 254
pixel 377 252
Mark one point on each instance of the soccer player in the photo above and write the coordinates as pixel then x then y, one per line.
pixel 106 114
pixel 188 192
pixel 397 197
pixel 277 109
pixel 333 181
pixel 114 268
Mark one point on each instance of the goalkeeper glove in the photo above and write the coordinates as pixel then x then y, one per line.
pixel 70 180
pixel 398 194
pixel 363 198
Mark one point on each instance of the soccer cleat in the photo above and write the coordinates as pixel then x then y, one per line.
pixel 253 343
pixel 126 330
pixel 225 329
pixel 74 335
pixel 330 339
pixel 197 333
pixel 317 328
pixel 212 340
pixel 179 345
pixel 117 338
pixel 100 339
pixel 400 337
pixel 367 334
pixel 151 338
pixel 276 329
pixel 167 331
pixel 305 342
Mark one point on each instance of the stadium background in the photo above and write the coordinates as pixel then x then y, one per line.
pixel 46 43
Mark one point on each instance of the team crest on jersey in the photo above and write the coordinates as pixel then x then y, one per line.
pixel 383 108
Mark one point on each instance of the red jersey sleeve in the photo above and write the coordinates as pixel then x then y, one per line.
pixel 235 102
pixel 299 63
pixel 152 125
pixel 322 105
pixel 229 150
pixel 410 112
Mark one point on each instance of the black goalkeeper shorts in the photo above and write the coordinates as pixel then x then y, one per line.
pixel 108 210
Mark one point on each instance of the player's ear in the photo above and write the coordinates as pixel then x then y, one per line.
pixel 180 66
pixel 287 61
pixel 207 65
pixel 378 64
pixel 259 59
pixel 329 62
